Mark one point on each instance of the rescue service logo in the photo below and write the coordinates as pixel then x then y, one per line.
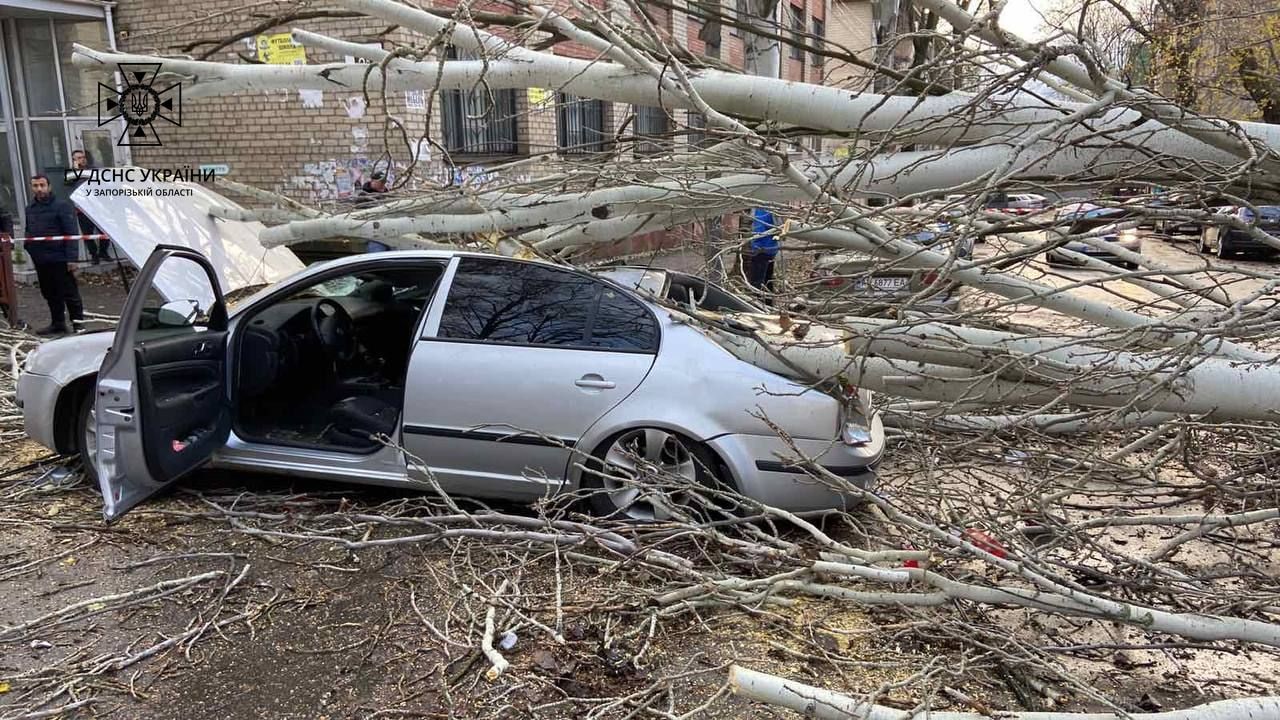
pixel 140 104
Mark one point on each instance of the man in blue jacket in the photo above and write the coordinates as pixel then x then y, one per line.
pixel 55 260
pixel 764 249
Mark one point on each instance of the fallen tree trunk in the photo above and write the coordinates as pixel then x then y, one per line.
pixel 827 705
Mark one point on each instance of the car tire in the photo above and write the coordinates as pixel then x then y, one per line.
pixel 1224 250
pixel 610 496
pixel 86 439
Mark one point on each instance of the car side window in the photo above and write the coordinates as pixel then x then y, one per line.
pixel 501 301
pixel 623 323
pixel 189 312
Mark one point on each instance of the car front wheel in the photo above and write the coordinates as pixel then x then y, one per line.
pixel 1224 250
pixel 86 435
pixel 650 474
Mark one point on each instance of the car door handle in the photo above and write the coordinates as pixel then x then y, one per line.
pixel 595 382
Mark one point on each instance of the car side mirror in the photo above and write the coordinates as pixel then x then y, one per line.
pixel 179 313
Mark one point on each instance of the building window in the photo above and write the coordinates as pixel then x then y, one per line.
pixel 709 32
pixel 479 121
pixel 580 124
pixel 39 68
pixel 741 13
pixel 797 33
pixel 698 139
pixel 80 84
pixel 652 128
pixel 819 37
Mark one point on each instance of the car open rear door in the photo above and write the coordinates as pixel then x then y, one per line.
pixel 161 405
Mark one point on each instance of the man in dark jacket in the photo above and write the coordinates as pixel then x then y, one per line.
pixel 55 260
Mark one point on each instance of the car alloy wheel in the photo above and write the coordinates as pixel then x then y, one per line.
pixel 644 473
pixel 87 439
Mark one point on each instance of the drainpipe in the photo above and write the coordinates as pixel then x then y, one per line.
pixel 108 9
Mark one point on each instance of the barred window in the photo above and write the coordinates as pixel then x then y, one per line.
pixel 698 138
pixel 652 128
pixel 479 121
pixel 580 124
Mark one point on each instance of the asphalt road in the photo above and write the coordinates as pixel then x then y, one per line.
pixel 1238 277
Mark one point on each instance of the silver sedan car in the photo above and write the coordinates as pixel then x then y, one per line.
pixel 482 375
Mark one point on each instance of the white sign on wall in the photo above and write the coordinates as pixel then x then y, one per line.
pixel 415 100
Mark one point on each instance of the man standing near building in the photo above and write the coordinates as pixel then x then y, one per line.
pixel 82 161
pixel 763 250
pixel 55 260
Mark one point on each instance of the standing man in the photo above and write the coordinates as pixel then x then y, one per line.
pixel 763 250
pixel 55 260
pixel 82 161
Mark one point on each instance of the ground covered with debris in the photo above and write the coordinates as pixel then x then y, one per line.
pixel 241 595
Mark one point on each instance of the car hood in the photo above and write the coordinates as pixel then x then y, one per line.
pixel 139 215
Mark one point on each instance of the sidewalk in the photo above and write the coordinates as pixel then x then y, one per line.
pixel 100 289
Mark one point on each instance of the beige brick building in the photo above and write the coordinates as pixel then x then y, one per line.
pixel 316 147
pixel 319 147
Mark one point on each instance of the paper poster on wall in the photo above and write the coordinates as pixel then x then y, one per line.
pixel 344 182
pixel 311 98
pixel 415 99
pixel 280 49
pixel 540 97
pixel 355 107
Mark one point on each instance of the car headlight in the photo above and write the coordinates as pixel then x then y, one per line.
pixel 855 434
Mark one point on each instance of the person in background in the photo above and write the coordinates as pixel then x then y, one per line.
pixel 82 160
pixel 763 250
pixel 54 260
pixel 368 196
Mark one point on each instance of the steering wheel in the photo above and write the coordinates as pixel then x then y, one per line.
pixel 333 326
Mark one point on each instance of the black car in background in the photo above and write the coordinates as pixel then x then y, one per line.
pixel 1224 240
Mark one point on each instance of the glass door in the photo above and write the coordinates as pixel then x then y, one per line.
pixel 98 142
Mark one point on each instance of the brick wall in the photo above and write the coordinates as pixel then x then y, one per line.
pixel 284 141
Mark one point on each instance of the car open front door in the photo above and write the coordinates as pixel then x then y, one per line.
pixel 162 406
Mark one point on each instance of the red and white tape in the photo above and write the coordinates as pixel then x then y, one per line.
pixel 65 237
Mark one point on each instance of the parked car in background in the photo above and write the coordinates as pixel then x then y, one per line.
pixel 1183 201
pixel 1103 222
pixel 849 283
pixel 1221 238
pixel 1017 203
pixel 509 379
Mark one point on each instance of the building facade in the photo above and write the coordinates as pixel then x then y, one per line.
pixel 319 147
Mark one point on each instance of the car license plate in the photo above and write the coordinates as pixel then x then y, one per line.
pixel 881 284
